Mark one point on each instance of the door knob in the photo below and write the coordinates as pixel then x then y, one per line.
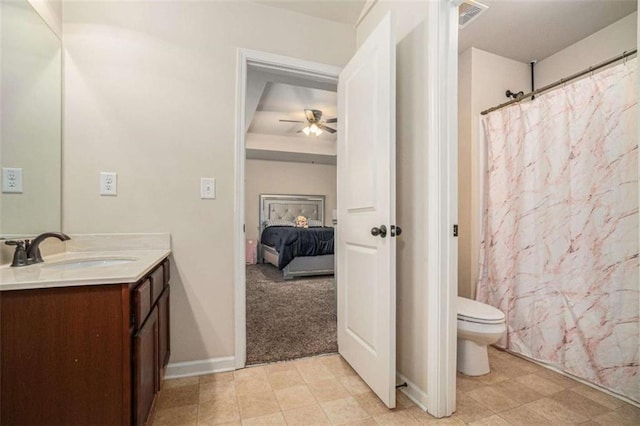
pixel 395 230
pixel 382 231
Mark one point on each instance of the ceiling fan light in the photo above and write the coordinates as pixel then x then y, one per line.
pixel 315 130
pixel 306 130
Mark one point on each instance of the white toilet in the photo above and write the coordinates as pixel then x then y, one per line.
pixel 479 325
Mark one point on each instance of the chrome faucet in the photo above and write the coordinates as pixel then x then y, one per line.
pixel 28 251
pixel 33 249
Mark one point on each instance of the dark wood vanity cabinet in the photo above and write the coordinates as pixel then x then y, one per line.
pixel 84 355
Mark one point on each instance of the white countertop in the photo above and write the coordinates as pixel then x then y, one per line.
pixel 42 275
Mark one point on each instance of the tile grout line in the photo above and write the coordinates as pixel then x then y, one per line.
pixel 314 397
pixel 198 407
pixel 235 392
pixel 320 404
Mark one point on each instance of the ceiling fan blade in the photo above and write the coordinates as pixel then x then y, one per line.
pixel 332 120
pixel 299 131
pixel 329 129
pixel 291 121
pixel 311 118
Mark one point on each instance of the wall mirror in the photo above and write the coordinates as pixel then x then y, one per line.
pixel 30 122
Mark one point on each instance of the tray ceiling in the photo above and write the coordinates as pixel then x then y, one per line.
pixel 287 102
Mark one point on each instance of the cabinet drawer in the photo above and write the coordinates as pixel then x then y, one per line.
pixel 142 302
pixel 157 283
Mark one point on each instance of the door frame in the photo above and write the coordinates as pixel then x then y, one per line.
pixel 300 68
pixel 442 205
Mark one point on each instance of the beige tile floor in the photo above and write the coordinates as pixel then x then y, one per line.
pixel 325 390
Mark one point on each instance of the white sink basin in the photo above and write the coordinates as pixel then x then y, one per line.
pixel 89 263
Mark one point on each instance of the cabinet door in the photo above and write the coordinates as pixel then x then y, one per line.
pixel 164 342
pixel 145 368
pixel 65 356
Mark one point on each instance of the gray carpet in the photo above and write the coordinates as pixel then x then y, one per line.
pixel 288 319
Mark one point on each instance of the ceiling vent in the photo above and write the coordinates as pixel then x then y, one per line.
pixel 468 10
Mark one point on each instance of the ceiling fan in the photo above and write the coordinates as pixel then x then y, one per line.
pixel 316 124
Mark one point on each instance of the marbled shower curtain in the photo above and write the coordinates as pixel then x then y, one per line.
pixel 559 254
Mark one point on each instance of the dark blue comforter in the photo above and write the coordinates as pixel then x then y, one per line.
pixel 292 242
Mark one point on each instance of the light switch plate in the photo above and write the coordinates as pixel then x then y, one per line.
pixel 108 183
pixel 208 188
pixel 12 180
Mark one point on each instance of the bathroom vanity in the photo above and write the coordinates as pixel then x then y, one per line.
pixel 84 338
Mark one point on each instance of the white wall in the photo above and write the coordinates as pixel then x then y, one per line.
pixel 598 47
pixel 410 182
pixel 483 79
pixel 150 94
pixel 51 12
pixel 408 13
pixel 464 173
pixel 282 177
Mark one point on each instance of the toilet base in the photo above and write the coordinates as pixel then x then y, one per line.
pixel 473 359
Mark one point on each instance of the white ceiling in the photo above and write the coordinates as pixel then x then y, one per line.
pixel 527 30
pixel 523 30
pixel 288 102
pixel 345 11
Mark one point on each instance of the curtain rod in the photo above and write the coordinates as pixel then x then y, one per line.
pixel 563 80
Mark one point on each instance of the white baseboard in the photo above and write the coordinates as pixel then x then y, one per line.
pixel 413 392
pixel 200 367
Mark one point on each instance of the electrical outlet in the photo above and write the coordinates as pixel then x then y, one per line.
pixel 108 183
pixel 208 188
pixel 11 180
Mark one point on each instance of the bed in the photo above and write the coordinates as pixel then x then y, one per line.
pixel 287 208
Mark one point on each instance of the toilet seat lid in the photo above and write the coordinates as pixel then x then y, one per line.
pixel 470 310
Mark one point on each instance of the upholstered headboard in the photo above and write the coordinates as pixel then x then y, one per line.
pixel 288 207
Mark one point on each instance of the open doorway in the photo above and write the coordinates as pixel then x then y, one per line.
pixel 259 72
pixel 290 199
pixel 365 91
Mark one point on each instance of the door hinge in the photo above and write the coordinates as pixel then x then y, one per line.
pixel 455 230
pixel 244 228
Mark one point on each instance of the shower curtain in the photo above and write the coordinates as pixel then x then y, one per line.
pixel 559 253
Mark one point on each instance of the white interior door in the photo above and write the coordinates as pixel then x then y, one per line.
pixel 366 205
